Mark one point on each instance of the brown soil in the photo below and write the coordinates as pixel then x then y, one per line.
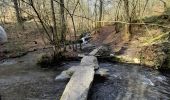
pixel 108 35
pixel 21 41
pixel 131 49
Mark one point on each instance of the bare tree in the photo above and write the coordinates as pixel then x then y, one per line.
pixel 51 36
pixel 54 29
pixel 18 13
pixel 127 18
pixel 71 14
pixel 101 12
pixel 63 23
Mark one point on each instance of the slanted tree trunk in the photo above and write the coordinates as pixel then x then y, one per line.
pixel 31 3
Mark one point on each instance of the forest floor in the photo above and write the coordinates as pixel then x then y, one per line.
pixel 30 39
pixel 142 37
pixel 20 41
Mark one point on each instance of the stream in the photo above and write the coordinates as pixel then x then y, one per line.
pixel 22 79
pixel 130 82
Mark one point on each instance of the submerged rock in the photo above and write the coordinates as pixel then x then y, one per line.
pixel 102 72
pixel 87 47
pixel 101 51
pixel 3 35
pixel 66 75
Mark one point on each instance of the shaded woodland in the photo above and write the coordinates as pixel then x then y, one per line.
pixel 47 37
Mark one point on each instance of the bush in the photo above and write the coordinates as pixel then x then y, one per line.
pixel 153 55
pixel 50 61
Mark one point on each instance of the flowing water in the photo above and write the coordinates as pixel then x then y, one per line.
pixel 130 82
pixel 21 79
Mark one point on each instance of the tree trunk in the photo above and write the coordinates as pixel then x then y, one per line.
pixel 75 33
pixel 18 15
pixel 128 20
pixel 63 26
pixel 41 21
pixel 63 23
pixel 54 32
pixel 54 21
pixel 95 12
pixel 101 13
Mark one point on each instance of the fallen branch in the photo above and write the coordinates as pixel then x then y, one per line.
pixel 151 24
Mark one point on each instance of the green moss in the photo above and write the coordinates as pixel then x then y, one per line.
pixel 126 59
pixel 117 59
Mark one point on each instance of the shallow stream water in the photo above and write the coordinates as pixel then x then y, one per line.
pixel 130 82
pixel 22 79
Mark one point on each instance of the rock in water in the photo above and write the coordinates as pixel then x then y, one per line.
pixel 79 84
pixel 65 75
pixel 101 51
pixel 81 78
pixel 86 61
pixel 102 72
pixel 3 36
pixel 89 60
